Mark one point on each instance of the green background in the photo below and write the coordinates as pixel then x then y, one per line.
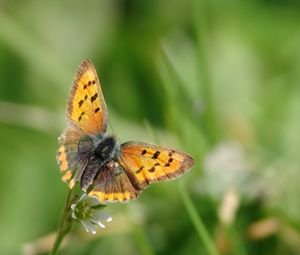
pixel 217 79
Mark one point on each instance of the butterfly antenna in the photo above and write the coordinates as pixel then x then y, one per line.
pixel 113 131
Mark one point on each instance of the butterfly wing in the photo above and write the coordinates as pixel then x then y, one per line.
pixel 87 114
pixel 113 185
pixel 67 152
pixel 149 163
pixel 139 164
pixel 86 105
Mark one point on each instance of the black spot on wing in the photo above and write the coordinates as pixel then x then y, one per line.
pixel 80 116
pixel 156 154
pixel 139 170
pixel 80 103
pixel 93 98
pixel 152 169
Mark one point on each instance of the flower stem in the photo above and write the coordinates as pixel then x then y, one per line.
pixel 64 224
pixel 198 223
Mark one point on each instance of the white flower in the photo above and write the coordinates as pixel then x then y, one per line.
pixel 89 212
pixel 225 168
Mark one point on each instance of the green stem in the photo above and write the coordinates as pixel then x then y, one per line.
pixel 64 225
pixel 198 223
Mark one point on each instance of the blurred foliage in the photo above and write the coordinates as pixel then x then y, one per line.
pixel 218 79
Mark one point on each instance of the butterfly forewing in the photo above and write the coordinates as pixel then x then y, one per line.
pixel 150 163
pixel 87 114
pixel 86 105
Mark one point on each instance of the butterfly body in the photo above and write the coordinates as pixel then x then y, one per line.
pixel 94 152
pixel 106 169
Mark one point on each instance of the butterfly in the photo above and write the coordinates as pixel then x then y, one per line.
pixel 106 169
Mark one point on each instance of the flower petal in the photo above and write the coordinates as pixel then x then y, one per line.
pixel 99 215
pixel 89 200
pixel 100 224
pixel 74 216
pixel 89 227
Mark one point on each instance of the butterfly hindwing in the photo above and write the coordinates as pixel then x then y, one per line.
pixel 113 185
pixel 67 152
pixel 149 163
pixel 86 105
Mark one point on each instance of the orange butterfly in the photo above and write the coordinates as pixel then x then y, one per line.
pixel 106 169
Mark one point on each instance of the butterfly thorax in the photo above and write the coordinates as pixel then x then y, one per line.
pixel 105 148
pixel 95 152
